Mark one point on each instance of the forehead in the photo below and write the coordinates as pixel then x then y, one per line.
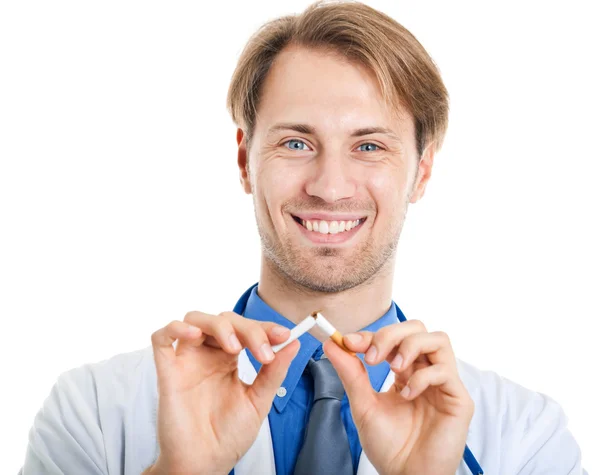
pixel 324 89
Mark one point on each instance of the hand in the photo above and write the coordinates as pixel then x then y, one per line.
pixel 207 417
pixel 423 432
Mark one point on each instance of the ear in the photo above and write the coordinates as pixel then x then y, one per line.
pixel 243 162
pixel 424 173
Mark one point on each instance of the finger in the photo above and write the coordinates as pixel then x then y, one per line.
pixel 387 338
pixel 231 332
pixel 433 348
pixel 275 333
pixel 354 377
pixel 218 330
pixel 163 339
pixel 259 337
pixel 359 341
pixel 439 375
pixel 270 377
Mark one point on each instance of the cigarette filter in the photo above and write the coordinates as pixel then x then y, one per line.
pixel 331 332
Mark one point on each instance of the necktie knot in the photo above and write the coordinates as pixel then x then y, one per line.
pixel 327 383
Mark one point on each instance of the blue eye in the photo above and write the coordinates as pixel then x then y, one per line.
pixel 368 143
pixel 299 145
pixel 296 141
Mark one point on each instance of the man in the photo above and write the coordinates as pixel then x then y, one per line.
pixel 340 113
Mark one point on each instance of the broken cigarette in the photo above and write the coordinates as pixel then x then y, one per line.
pixel 331 332
pixel 313 319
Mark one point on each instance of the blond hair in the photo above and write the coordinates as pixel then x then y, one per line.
pixel 406 73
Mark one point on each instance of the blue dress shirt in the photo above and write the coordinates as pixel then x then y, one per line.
pixel 290 411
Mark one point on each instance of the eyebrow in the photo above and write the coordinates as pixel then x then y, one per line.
pixel 308 129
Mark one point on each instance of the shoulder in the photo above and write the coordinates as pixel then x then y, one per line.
pixel 115 401
pixel 114 394
pixel 89 414
pixel 507 400
pixel 123 369
pixel 116 377
pixel 122 389
pixel 511 419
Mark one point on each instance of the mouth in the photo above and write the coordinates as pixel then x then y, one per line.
pixel 330 232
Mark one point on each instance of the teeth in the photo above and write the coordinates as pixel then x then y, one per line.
pixel 329 227
pixel 323 227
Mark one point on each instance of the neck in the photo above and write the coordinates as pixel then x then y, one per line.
pixel 348 310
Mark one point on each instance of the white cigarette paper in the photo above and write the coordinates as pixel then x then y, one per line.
pixel 296 332
pixel 324 325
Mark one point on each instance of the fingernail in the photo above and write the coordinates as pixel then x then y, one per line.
pixel 397 361
pixel 234 343
pixel 278 330
pixel 405 392
pixel 371 354
pixel 354 338
pixel 267 352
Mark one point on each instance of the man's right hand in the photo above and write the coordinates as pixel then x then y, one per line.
pixel 207 417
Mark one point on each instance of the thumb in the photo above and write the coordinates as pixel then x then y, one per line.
pixel 354 377
pixel 270 377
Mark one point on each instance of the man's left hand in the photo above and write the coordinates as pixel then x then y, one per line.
pixel 423 432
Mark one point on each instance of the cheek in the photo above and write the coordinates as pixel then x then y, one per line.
pixel 380 182
pixel 388 190
pixel 278 184
pixel 385 188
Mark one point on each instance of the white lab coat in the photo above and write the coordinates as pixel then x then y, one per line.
pixel 100 419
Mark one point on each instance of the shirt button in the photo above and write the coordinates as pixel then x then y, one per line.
pixel 281 392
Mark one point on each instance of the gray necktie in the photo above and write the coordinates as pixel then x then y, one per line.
pixel 326 449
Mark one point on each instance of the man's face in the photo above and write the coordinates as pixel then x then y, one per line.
pixel 330 175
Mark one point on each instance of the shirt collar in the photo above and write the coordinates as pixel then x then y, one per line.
pixel 257 309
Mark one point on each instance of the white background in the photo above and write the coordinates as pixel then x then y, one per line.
pixel 121 209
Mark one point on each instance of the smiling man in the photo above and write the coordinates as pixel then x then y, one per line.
pixel 332 170
pixel 340 112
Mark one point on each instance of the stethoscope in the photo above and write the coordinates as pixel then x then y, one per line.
pixel 468 457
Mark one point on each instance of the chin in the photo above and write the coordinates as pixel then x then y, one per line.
pixel 324 281
pixel 328 287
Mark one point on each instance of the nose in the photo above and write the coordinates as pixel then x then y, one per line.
pixel 332 178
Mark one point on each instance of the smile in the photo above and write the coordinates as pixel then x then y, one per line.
pixel 328 227
pixel 320 231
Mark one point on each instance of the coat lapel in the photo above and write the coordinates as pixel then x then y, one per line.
pixel 365 467
pixel 260 457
